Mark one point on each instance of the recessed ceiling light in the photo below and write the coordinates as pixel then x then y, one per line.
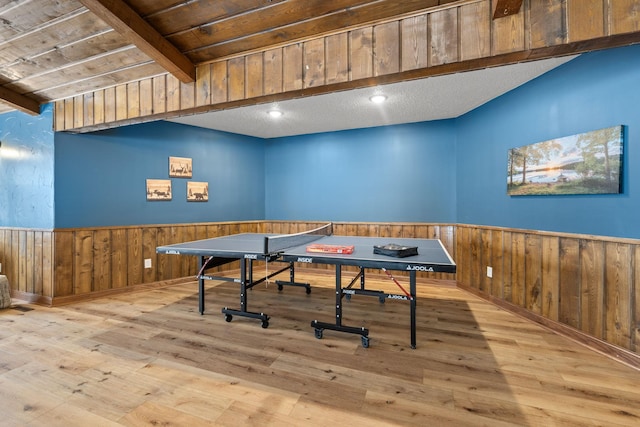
pixel 275 113
pixel 378 99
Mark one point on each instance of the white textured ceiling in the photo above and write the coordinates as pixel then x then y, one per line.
pixel 433 98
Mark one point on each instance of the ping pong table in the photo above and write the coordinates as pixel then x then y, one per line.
pixel 293 248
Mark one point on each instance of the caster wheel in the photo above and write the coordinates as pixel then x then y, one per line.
pixel 348 297
pixel 280 287
pixel 365 342
pixel 381 299
pixel 265 324
pixel 228 317
pixel 308 290
pixel 319 334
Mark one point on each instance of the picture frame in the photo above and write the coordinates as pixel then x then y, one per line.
pixel 180 167
pixel 197 191
pixel 158 189
pixel 585 163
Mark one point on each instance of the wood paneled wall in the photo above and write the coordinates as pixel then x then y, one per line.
pixel 444 232
pixel 27 260
pixel 101 259
pixel 588 283
pixel 44 266
pixel 451 38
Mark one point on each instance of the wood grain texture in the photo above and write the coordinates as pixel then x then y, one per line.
pixel 133 100
pixel 443 37
pixel 588 283
pixel 148 358
pixel 533 273
pixel 254 75
pixel 273 71
pixel 475 31
pixel 414 42
pixel 585 19
pixel 292 67
pixel 508 34
pixel 219 82
pixel 497 264
pixel 313 63
pixel 624 16
pixel 361 53
pixel 159 85
pixel 386 48
pixel 146 97
pixel 617 294
pixel 463 36
pixel 569 297
pixel 592 289
pixel 518 269
pixel 548 24
pixel 550 288
pixel 203 85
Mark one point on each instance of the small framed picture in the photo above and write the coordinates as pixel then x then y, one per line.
pixel 180 167
pixel 158 189
pixel 197 191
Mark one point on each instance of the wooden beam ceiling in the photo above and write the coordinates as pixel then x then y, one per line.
pixel 20 102
pixel 127 22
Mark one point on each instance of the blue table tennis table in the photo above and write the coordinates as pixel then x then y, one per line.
pixel 293 248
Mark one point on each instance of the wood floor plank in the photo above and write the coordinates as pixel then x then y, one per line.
pixel 150 358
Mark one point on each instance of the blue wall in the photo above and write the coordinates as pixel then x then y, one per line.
pixel 100 178
pixel 445 171
pixel 394 173
pixel 594 91
pixel 26 169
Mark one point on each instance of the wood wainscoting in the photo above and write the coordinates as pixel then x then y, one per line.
pixel 584 285
pixel 66 265
pixel 444 232
pixel 89 261
pixel 27 257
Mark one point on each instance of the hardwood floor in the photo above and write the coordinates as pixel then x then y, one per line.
pixel 149 358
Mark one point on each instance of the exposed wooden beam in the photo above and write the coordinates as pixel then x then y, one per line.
pixel 20 102
pixel 503 8
pixel 127 22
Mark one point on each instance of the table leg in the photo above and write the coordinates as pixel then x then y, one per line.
pixel 246 283
pixel 338 295
pixel 200 286
pixel 412 291
pixel 320 326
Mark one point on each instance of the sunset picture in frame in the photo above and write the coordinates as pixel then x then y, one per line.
pixel 585 163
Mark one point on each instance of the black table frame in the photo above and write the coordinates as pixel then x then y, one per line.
pixel 208 259
pixel 246 282
pixel 340 292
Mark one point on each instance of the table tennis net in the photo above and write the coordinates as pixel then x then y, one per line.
pixel 274 244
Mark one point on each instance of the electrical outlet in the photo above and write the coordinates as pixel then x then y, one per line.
pixel 147 263
pixel 489 272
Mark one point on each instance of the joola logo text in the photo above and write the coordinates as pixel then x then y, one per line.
pixel 173 252
pixel 250 256
pixel 304 259
pixel 419 268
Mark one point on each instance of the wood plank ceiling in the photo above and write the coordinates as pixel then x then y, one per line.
pixel 56 49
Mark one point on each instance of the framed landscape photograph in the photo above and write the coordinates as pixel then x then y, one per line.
pixel 197 191
pixel 158 189
pixel 180 167
pixel 586 163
